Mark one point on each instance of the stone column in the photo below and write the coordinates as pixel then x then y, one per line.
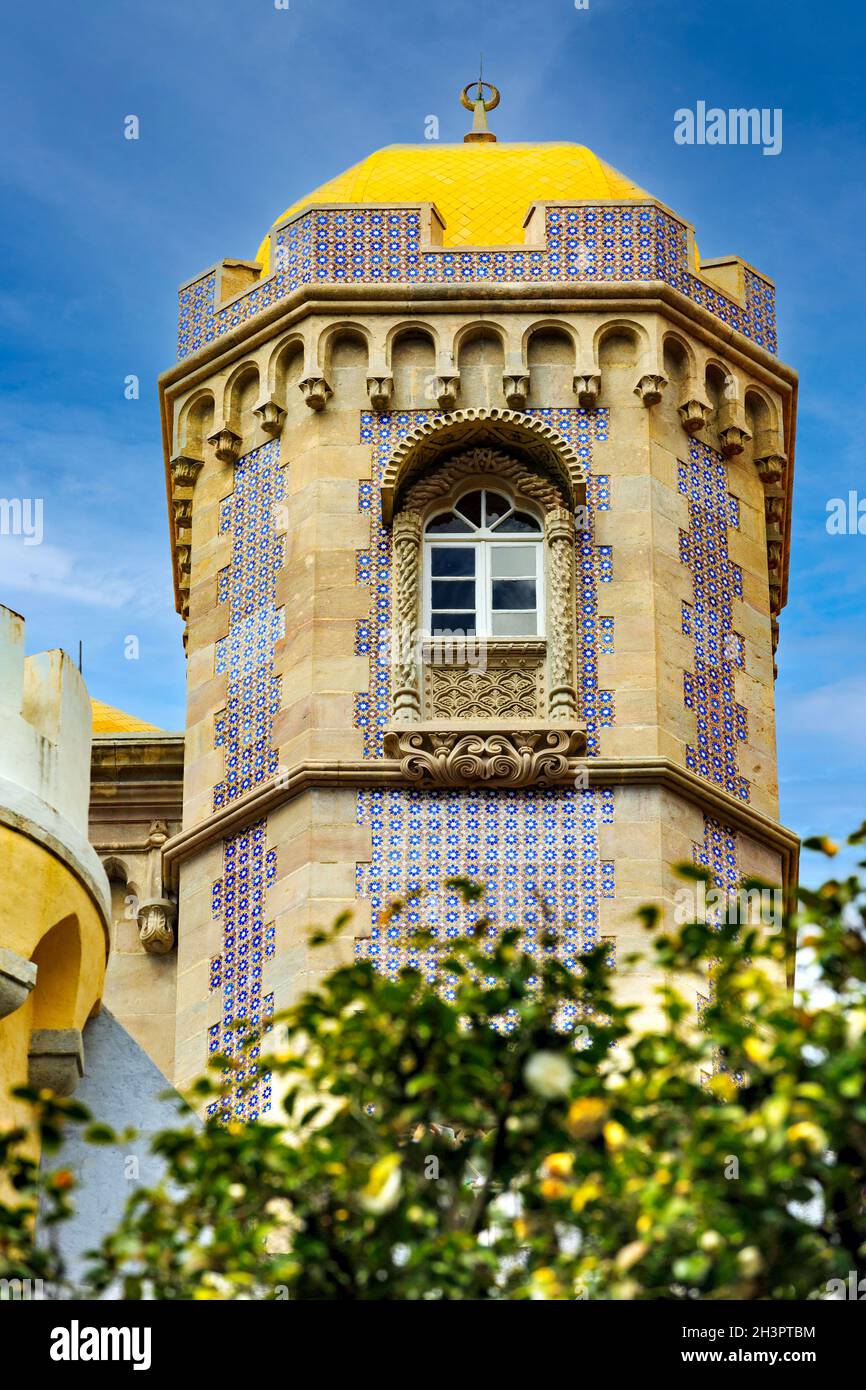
pixel 561 632
pixel 406 684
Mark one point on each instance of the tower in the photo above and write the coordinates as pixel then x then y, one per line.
pixel 479 487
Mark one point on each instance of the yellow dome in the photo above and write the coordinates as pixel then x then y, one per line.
pixel 108 720
pixel 483 191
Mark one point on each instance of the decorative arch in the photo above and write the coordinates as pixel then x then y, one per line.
pixel 550 453
pixel 409 328
pixel 552 494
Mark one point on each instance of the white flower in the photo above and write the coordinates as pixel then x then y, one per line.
pixel 548 1074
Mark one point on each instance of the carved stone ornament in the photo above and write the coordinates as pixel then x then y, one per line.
pixel 455 758
pixel 315 391
pixel 588 389
pixel 516 389
pixel 380 389
pixel 155 929
pixel 650 388
pixel 771 467
pixel 447 390
pixel 540 488
pixel 270 416
pixel 185 470
pixel 695 415
pixel 732 441
pixel 227 445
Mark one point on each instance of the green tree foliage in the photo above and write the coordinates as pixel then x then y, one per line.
pixel 417 1149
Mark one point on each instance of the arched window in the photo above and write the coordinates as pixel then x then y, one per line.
pixel 484 569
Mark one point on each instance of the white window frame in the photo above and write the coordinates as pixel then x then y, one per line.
pixel 483 543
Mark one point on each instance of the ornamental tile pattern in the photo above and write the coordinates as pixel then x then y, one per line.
pixel 535 850
pixel 709 689
pixel 365 245
pixel 246 654
pixel 238 902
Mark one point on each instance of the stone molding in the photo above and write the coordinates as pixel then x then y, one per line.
pixel 56 1059
pixel 17 980
pixel 507 430
pixel 385 772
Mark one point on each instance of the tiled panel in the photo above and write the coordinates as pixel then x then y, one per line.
pixel 536 851
pixel 238 902
pixel 246 654
pixel 708 620
pixel 615 243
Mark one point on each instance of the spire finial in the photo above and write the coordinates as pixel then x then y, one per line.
pixel 479 106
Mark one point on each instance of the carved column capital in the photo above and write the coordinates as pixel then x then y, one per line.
pixel 516 389
pixel 588 389
pixel 380 389
pixel 650 388
pixel 226 444
pixel 270 415
pixel 315 391
pixel 561 640
pixel 155 925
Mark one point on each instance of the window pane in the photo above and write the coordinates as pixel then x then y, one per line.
pixel 453 593
pixel 521 521
pixel 513 593
pixel 470 506
pixel 447 522
pixel 452 624
pixel 452 559
pixel 514 624
pixel 495 507
pixel 513 562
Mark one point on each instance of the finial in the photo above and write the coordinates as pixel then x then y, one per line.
pixel 479 107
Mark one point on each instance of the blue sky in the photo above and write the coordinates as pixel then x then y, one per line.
pixel 243 108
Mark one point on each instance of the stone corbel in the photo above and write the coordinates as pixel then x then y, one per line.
pixel 226 444
pixel 559 534
pixel 515 386
pixel 17 979
pixel 270 416
pixel 588 389
pixel 406 701
pixel 695 413
pixel 184 471
pixel 774 511
pixel 184 559
pixel 182 508
pixel 380 389
pixel 315 391
pixel 56 1059
pixel 733 435
pixel 156 925
pixel 650 388
pixel 769 455
pixel 461 757
pixel 447 390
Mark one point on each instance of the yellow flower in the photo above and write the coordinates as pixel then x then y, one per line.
pixel 586 1117
pixel 586 1193
pixel 615 1136
pixel 552 1188
pixel 559 1165
pixel 382 1190
pixel 805 1132
pixel 723 1086
pixel 644 1223
pixel 757 1050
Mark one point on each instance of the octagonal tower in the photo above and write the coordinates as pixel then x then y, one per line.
pixel 479 492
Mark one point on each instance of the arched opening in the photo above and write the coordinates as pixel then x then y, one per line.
pixel 551 359
pixel 481 363
pixel 413 367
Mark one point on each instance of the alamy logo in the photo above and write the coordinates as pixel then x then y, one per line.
pixel 22 516
pixel 737 126
pixel 77 1343
pixel 21 1290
